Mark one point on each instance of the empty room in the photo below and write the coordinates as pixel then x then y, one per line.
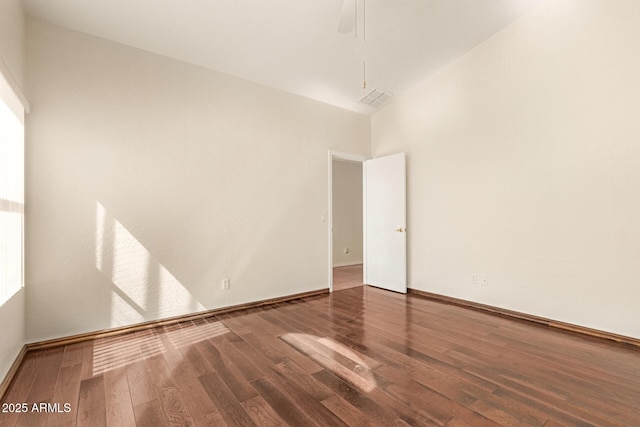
pixel 318 213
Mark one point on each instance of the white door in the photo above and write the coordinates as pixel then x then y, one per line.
pixel 385 236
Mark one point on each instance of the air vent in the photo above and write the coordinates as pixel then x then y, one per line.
pixel 376 98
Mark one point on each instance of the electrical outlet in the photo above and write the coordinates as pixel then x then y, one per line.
pixel 484 280
pixel 474 279
pixel 346 250
pixel 226 283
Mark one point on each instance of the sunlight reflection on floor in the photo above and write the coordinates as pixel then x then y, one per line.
pixel 119 351
pixel 336 357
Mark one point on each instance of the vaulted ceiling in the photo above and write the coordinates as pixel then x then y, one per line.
pixel 294 45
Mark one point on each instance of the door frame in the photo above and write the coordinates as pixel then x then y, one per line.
pixel 337 155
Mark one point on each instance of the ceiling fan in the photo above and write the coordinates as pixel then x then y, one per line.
pixel 348 23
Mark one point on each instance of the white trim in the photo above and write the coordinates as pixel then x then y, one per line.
pixel 337 155
pixel 364 222
pixel 17 90
pixel 330 225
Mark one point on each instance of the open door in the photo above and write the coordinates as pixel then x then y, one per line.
pixel 385 233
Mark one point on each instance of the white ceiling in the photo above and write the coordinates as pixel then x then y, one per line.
pixel 294 45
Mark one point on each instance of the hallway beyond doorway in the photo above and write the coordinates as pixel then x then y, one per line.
pixel 347 277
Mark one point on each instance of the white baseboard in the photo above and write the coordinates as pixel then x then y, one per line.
pixel 346 264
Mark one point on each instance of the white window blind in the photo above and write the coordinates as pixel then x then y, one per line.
pixel 11 191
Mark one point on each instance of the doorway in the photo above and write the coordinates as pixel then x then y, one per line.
pixel 346 248
pixel 383 212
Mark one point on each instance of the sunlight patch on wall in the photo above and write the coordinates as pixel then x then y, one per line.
pixel 142 288
pixel 350 366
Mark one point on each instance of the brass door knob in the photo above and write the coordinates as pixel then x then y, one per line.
pixel 400 230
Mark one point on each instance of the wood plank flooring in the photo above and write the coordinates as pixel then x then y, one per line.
pixel 358 357
pixel 349 276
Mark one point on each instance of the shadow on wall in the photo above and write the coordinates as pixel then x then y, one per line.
pixel 141 288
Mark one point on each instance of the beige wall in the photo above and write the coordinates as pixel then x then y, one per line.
pixel 151 180
pixel 523 165
pixel 347 213
pixel 12 312
pixel 12 32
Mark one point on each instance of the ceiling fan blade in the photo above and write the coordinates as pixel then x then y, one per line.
pixel 347 17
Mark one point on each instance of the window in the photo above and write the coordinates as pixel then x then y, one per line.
pixel 11 191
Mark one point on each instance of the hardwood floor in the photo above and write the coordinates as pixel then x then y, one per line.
pixel 347 277
pixel 361 356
